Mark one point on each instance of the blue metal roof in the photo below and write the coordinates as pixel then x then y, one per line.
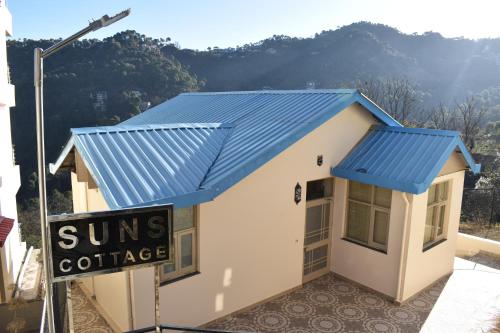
pixel 263 124
pixel 403 159
pixel 134 165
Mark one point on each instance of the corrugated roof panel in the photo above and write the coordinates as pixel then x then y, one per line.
pixel 133 165
pixel 404 159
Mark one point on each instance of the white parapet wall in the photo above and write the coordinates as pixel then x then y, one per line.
pixel 468 245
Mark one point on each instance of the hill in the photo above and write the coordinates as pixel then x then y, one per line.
pixel 104 82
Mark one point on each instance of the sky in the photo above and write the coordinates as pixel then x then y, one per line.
pixel 224 23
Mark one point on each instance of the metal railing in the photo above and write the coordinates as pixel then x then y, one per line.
pixel 480 214
pixel 180 328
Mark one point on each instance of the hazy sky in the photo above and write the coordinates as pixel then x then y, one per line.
pixel 222 23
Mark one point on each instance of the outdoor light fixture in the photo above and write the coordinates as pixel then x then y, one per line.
pixel 40 54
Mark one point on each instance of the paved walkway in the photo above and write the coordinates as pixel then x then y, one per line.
pixel 86 319
pixel 330 304
pixel 470 302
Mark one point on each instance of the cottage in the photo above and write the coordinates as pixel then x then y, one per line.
pixel 272 189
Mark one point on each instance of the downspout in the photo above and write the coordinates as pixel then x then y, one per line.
pixel 131 320
pixel 404 250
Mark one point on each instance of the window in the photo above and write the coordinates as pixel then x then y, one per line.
pixel 184 245
pixel 436 209
pixel 368 215
pixel 318 189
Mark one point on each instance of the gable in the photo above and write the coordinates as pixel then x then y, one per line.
pixel 455 163
pixel 403 159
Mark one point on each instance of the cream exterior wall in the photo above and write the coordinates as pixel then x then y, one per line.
pixel 425 267
pixel 110 290
pixel 374 269
pixel 12 253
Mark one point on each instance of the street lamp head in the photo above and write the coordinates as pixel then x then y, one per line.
pixel 106 20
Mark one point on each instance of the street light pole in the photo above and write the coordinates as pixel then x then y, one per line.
pixel 40 54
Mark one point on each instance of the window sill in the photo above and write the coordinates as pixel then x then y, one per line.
pixel 436 243
pixel 179 278
pixel 364 245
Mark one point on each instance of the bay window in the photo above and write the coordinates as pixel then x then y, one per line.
pixel 368 214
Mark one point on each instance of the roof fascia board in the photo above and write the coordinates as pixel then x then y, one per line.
pixel 475 167
pixel 375 109
pixel 53 167
pixel 181 201
pixel 414 188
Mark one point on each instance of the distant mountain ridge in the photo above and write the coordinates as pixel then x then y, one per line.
pixel 444 68
pixel 104 82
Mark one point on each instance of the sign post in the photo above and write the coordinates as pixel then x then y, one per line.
pixel 89 244
pixel 157 299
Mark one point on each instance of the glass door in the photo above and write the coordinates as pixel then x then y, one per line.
pixel 317 237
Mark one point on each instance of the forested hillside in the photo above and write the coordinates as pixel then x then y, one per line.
pixel 104 82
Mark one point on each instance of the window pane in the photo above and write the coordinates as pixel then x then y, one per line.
pixel 383 197
pixel 183 218
pixel 428 233
pixel 360 192
pixel 358 221
pixel 313 225
pixel 380 227
pixel 442 210
pixel 186 250
pixel 326 221
pixel 319 189
pixel 432 194
pixel 168 268
pixel 443 191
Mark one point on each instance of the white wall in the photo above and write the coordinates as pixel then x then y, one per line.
pixel 12 253
pixel 468 245
pixel 425 267
pixel 251 236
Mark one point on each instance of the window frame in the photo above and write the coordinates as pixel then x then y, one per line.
pixel 179 272
pixel 437 207
pixel 371 244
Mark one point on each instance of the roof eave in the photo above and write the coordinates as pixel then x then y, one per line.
pixel 53 167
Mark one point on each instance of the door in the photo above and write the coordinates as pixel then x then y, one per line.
pixel 317 237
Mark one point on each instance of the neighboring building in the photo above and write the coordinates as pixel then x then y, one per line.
pixel 272 189
pixel 11 249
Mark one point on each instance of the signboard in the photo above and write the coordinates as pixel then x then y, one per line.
pixel 89 244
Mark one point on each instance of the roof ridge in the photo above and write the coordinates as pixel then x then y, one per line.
pixel 144 127
pixel 414 130
pixel 291 91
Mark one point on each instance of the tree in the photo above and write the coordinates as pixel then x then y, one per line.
pixel 397 96
pixel 471 114
pixel 443 118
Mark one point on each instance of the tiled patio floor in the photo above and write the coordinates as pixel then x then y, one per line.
pixel 330 304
